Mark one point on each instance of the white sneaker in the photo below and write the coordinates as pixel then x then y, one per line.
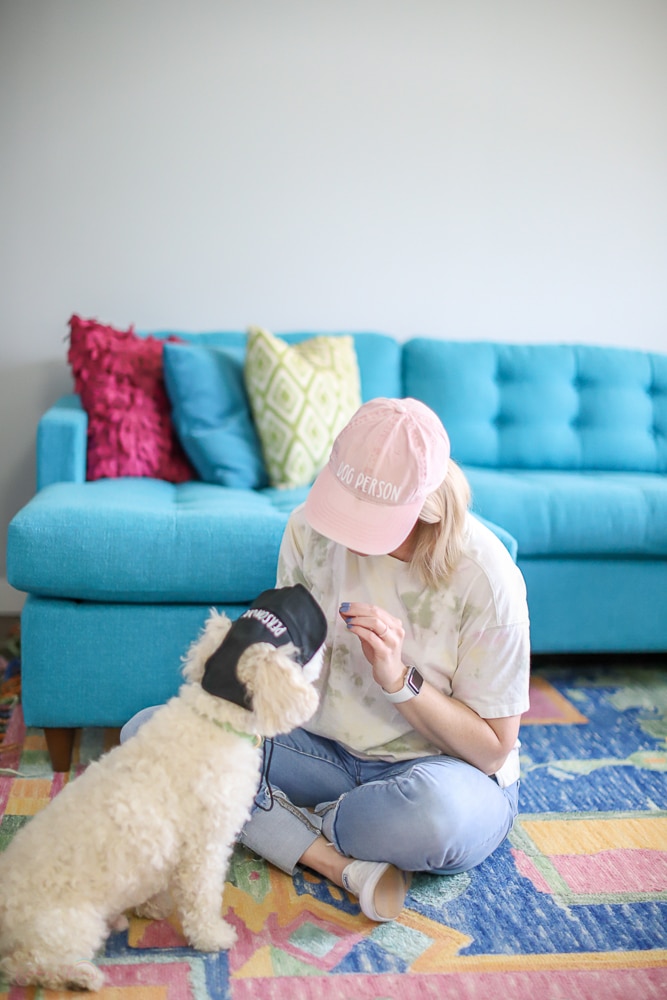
pixel 380 887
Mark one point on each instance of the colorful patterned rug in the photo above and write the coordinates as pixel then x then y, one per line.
pixel 572 907
pixel 10 677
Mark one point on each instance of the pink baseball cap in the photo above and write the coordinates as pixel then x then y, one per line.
pixel 383 465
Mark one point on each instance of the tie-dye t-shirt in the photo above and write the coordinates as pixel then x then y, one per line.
pixel 469 637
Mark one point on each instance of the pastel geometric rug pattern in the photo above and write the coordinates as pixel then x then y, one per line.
pixel 573 905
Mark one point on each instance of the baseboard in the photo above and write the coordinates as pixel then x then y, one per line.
pixel 11 601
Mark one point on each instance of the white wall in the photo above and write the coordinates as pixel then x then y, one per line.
pixel 453 168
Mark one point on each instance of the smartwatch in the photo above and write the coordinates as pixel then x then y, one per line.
pixel 412 685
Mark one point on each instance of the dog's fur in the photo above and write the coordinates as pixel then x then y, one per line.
pixel 153 821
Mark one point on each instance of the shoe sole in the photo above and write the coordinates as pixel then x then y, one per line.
pixel 390 893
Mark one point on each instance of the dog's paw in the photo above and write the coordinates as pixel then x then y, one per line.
pixel 119 923
pixel 218 937
pixel 79 976
pixel 84 976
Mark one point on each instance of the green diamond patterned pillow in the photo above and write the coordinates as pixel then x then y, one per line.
pixel 301 396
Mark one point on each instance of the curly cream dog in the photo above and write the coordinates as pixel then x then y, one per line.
pixel 155 820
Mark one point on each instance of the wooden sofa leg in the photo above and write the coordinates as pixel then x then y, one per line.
pixel 60 744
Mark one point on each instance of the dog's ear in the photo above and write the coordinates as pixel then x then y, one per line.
pixel 215 629
pixel 281 696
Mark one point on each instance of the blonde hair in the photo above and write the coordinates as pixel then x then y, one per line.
pixel 440 528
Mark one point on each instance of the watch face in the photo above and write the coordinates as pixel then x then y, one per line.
pixel 414 680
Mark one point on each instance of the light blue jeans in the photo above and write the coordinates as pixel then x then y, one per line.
pixel 432 814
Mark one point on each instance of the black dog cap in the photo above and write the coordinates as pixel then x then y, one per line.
pixel 279 616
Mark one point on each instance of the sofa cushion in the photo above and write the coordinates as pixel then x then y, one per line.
pixel 118 376
pixel 301 396
pixel 546 406
pixel 211 413
pixel 146 541
pixel 575 513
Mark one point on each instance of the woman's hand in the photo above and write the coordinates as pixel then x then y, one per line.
pixel 446 722
pixel 381 638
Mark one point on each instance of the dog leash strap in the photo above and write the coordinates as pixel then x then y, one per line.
pixel 251 737
pixel 266 764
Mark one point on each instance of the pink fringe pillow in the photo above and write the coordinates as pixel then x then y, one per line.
pixel 119 379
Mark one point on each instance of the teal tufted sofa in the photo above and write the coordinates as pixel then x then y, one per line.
pixel 565 448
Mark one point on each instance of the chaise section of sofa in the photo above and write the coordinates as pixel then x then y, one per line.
pixel 565 448
pixel 121 573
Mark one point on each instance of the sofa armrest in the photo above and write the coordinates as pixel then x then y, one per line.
pixel 509 541
pixel 61 443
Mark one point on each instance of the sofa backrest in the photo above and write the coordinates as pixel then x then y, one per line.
pixel 545 406
pixel 378 355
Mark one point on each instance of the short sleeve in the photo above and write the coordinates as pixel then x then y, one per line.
pixel 493 671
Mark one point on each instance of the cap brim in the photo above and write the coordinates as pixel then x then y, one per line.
pixel 372 529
